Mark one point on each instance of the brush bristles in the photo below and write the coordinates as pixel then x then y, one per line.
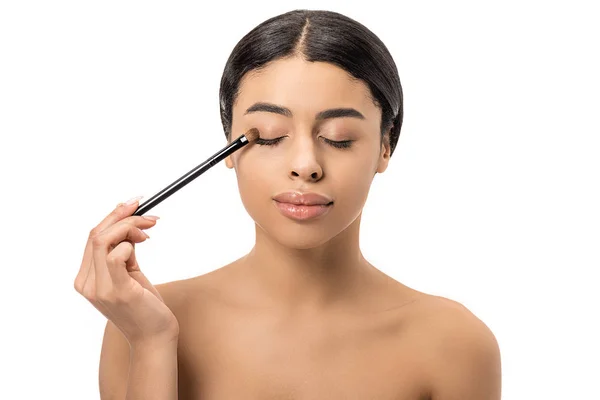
pixel 252 134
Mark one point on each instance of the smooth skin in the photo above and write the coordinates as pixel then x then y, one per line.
pixel 111 279
pixel 303 315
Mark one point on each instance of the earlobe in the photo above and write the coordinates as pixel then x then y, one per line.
pixel 229 162
pixel 384 155
pixel 229 159
pixel 383 164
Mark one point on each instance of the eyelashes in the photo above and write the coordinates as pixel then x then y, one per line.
pixel 343 144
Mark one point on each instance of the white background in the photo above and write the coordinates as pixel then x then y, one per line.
pixel 491 197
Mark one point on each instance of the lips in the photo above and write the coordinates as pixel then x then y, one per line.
pixel 302 206
pixel 303 198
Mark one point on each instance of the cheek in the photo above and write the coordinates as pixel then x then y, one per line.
pixel 253 183
pixel 353 184
pixel 358 186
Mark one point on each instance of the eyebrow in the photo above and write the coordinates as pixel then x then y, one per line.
pixel 325 114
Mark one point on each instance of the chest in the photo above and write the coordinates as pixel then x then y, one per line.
pixel 260 357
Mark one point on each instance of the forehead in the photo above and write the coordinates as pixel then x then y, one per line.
pixel 305 87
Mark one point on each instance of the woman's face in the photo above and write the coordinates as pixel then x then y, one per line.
pixel 290 100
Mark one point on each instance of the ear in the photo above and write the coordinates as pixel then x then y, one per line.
pixel 384 153
pixel 229 162
pixel 229 158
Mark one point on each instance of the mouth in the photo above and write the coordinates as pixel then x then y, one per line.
pixel 303 212
pixel 303 198
pixel 298 203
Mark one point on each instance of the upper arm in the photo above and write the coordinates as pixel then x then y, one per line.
pixel 114 364
pixel 469 365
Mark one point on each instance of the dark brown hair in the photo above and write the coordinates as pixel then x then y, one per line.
pixel 324 36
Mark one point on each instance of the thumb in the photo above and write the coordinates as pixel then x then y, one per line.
pixel 136 273
pixel 145 283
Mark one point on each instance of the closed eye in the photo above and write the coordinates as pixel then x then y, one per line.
pixel 342 144
pixel 268 142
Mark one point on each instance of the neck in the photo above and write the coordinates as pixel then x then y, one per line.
pixel 310 279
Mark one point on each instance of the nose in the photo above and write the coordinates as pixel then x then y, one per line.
pixel 305 174
pixel 305 165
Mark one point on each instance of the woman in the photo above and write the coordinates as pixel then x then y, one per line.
pixel 303 314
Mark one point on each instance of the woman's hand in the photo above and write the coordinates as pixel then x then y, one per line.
pixel 111 279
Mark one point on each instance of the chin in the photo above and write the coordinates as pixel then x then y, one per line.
pixel 303 236
pixel 301 242
pixel 299 237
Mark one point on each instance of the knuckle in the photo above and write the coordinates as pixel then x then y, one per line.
pixel 78 285
pixel 98 240
pixel 119 210
pixel 94 232
pixel 89 293
pixel 119 214
pixel 113 259
pixel 137 220
pixel 141 220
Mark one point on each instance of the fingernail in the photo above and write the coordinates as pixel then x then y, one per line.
pixel 151 217
pixel 133 200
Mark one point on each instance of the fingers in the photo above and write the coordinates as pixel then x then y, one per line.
pixel 84 269
pixel 94 275
pixel 130 228
pixel 116 262
pixel 133 271
pixel 108 240
pixel 122 211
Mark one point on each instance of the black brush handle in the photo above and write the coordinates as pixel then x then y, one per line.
pixel 191 175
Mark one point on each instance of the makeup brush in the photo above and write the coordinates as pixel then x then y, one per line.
pixel 250 136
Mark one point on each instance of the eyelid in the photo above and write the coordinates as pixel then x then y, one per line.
pixel 340 144
pixel 337 141
pixel 324 138
pixel 268 141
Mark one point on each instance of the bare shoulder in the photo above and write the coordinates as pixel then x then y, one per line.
pixel 194 294
pixel 449 312
pixel 464 352
pixel 456 327
pixel 176 293
pixel 179 294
